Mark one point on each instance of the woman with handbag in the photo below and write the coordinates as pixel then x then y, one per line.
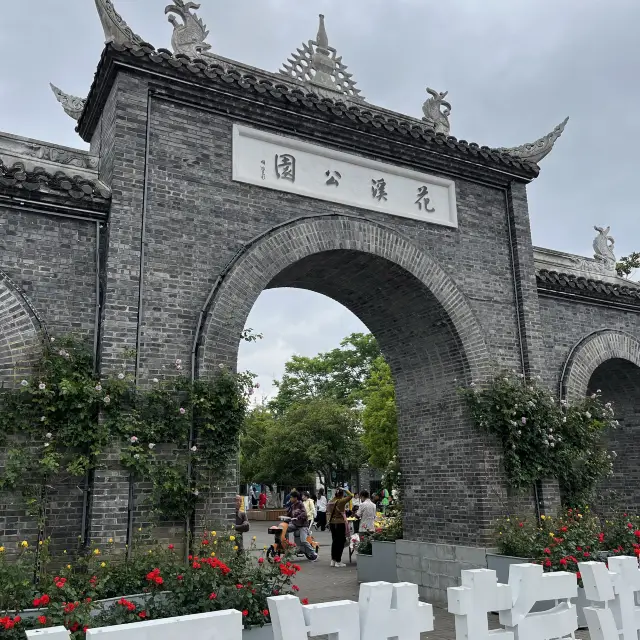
pixel 242 523
pixel 339 525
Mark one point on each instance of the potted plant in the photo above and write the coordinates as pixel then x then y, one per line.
pixel 377 551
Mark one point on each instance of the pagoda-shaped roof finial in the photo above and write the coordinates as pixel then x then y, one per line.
pixel 318 65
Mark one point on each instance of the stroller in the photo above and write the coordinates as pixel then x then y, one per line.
pixel 280 533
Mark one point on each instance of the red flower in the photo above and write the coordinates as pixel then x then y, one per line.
pixel 275 592
pixel 547 563
pixel 179 577
pixel 17 619
pixel 205 542
pixel 547 551
pixel 245 613
pixel 276 559
pixel 564 529
pixel 563 562
pixel 88 600
pixel 295 587
pixel 265 613
pixel 521 524
pixel 171 547
pixel 85 629
pixel 42 619
pixel 142 614
pixel 305 600
pixel 578 548
pixel 629 525
pixel 601 537
pixel 260 560
pixel 74 627
pixel 239 586
pixel 586 554
pixel 196 565
pixel 213 596
pixel 190 557
pixel 637 533
pixel 579 575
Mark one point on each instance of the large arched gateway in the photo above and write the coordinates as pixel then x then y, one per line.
pixel 208 181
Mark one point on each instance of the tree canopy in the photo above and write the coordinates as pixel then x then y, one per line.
pixel 339 374
pixel 379 418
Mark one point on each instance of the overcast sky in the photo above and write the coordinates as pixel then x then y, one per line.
pixel 513 68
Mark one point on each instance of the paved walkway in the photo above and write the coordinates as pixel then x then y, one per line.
pixel 320 582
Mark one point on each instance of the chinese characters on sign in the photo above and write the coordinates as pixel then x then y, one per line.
pixel 379 189
pixel 286 167
pixel 422 200
pixel 298 167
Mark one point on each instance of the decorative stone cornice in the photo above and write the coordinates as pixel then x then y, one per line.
pixel 72 105
pixel 116 30
pixel 318 65
pixel 233 80
pixel 536 151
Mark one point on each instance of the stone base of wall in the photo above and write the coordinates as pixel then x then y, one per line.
pixel 436 567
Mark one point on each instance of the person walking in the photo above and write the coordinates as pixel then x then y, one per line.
pixel 299 523
pixel 309 505
pixel 338 525
pixel 242 523
pixel 367 513
pixel 321 517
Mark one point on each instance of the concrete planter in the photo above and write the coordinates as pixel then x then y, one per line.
pixel 380 565
pixel 500 564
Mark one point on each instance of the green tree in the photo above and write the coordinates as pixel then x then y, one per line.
pixel 317 437
pixel 379 418
pixel 627 264
pixel 339 374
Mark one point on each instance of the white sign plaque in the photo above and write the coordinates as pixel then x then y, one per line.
pixel 285 164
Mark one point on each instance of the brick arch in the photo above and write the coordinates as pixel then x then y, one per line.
pixel 258 267
pixel 427 332
pixel 20 331
pixel 593 351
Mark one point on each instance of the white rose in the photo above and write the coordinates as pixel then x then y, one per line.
pixel 49 436
pixel 121 376
pixel 24 383
pixel 98 387
pixel 107 399
pixel 194 449
pixel 151 445
pixel 42 386
pixel 155 380
pixel 134 439
pixel 46 444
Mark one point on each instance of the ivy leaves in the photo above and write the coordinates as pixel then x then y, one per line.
pixel 542 437
pixel 175 434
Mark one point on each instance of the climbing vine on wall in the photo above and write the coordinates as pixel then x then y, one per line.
pixel 174 433
pixel 542 437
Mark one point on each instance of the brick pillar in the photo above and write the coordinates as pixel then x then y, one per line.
pixel 549 501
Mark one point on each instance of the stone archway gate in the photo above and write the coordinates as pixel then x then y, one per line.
pixel 208 181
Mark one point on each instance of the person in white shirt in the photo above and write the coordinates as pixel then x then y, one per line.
pixel 367 513
pixel 321 517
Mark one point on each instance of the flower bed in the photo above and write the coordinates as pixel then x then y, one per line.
pixel 88 592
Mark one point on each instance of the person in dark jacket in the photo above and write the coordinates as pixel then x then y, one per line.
pixel 242 523
pixel 299 523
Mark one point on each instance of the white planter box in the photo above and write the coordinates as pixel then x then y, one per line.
pixel 258 633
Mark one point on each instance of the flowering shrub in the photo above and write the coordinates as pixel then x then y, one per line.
pixel 69 415
pixel 387 529
pixel 215 577
pixel 542 437
pixel 559 543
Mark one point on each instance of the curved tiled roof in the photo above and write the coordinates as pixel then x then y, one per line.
pixel 75 187
pixel 231 75
pixel 581 285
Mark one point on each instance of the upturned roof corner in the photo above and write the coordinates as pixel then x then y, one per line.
pixel 116 30
pixel 72 105
pixel 536 151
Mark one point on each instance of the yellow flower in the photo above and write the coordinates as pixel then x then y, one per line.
pixel 68 566
pixel 40 543
pixel 103 564
pixel 235 548
pixel 508 519
pixel 500 533
pixel 551 534
pixel 1 549
pixel 543 517
pixel 110 540
pixel 232 538
pixel 65 552
pixel 213 533
pixel 215 542
pixel 140 529
pixel 213 553
pixel 579 515
pixel 96 552
pixel 254 538
pixel 24 544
